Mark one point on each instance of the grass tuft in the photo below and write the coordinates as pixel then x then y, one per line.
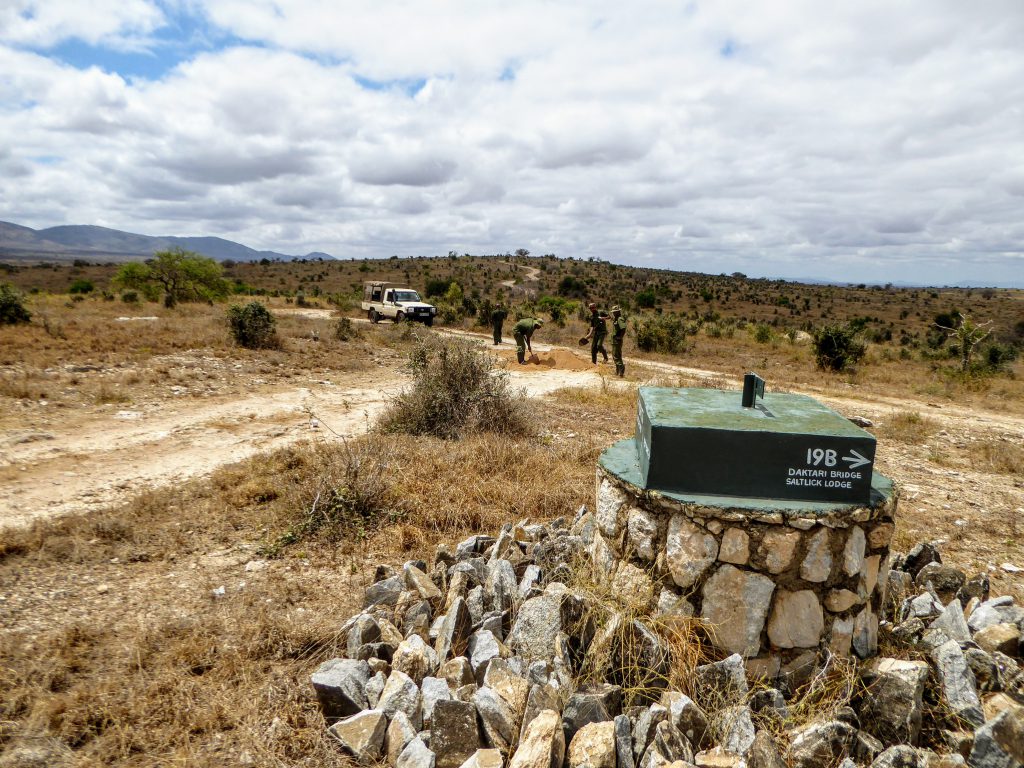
pixel 908 427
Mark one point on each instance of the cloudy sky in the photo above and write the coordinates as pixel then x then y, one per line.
pixel 875 141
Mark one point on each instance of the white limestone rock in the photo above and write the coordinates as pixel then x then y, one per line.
pixel 736 604
pixel 543 746
pixel 611 504
pixel 362 735
pixel 853 551
pixel 817 563
pixel 642 532
pixel 797 620
pixel 593 746
pixel 689 551
pixel 778 548
pixel 735 547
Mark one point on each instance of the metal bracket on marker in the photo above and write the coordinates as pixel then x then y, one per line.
pixel 753 387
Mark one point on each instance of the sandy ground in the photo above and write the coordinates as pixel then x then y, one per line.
pixel 100 456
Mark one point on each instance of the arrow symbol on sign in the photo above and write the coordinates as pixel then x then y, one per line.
pixel 856 460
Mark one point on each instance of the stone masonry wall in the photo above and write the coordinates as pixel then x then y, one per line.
pixel 777 587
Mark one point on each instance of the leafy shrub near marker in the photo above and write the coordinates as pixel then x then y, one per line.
pixel 836 346
pixel 253 327
pixel 456 391
pixel 12 306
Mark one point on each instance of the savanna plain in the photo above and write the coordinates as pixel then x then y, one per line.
pixel 187 523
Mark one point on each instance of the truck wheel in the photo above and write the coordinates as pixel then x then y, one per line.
pixel 428 322
pixel 399 316
pixel 374 317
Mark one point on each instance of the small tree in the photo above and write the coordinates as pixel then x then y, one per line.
pixel 967 335
pixel 12 306
pixel 836 346
pixel 182 275
pixel 253 327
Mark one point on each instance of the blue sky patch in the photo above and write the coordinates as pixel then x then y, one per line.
pixel 411 86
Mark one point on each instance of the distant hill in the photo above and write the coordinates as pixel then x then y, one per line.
pixel 90 243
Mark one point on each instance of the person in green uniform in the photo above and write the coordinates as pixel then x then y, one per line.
pixel 497 318
pixel 619 326
pixel 598 330
pixel 523 332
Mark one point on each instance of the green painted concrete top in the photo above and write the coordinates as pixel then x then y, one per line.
pixel 716 409
pixel 621 460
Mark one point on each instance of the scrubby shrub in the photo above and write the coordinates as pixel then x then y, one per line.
pixel 252 326
pixel 456 391
pixel 346 330
pixel 572 286
pixel 646 299
pixel 836 346
pixel 130 297
pixel 997 357
pixel 558 308
pixel 436 287
pixel 12 306
pixel 763 333
pixel 661 333
pixel 81 286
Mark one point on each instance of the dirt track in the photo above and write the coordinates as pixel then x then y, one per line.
pixel 100 456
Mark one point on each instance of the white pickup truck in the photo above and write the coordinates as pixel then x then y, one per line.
pixel 395 302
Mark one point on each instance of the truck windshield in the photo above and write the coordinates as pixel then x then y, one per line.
pixel 406 296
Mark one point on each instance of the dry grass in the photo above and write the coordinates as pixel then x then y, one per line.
pixel 618 652
pixel 1003 457
pixel 908 427
pixel 168 675
pixel 225 686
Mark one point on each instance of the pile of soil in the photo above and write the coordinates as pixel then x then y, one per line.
pixel 562 359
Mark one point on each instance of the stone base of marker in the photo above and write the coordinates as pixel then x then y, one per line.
pixel 775 581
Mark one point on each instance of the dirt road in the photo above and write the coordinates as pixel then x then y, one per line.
pixel 101 456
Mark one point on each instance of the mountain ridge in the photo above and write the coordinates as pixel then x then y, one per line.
pixel 90 242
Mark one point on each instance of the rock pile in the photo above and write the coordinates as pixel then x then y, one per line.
pixel 480 661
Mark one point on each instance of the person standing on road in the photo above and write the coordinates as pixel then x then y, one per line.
pixel 598 330
pixel 619 326
pixel 523 332
pixel 497 318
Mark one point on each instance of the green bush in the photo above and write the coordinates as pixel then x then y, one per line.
pixel 456 390
pixel 81 286
pixel 661 333
pixel 437 288
pixel 12 306
pixel 646 299
pixel 837 346
pixel 130 297
pixel 346 330
pixel 763 333
pixel 253 327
